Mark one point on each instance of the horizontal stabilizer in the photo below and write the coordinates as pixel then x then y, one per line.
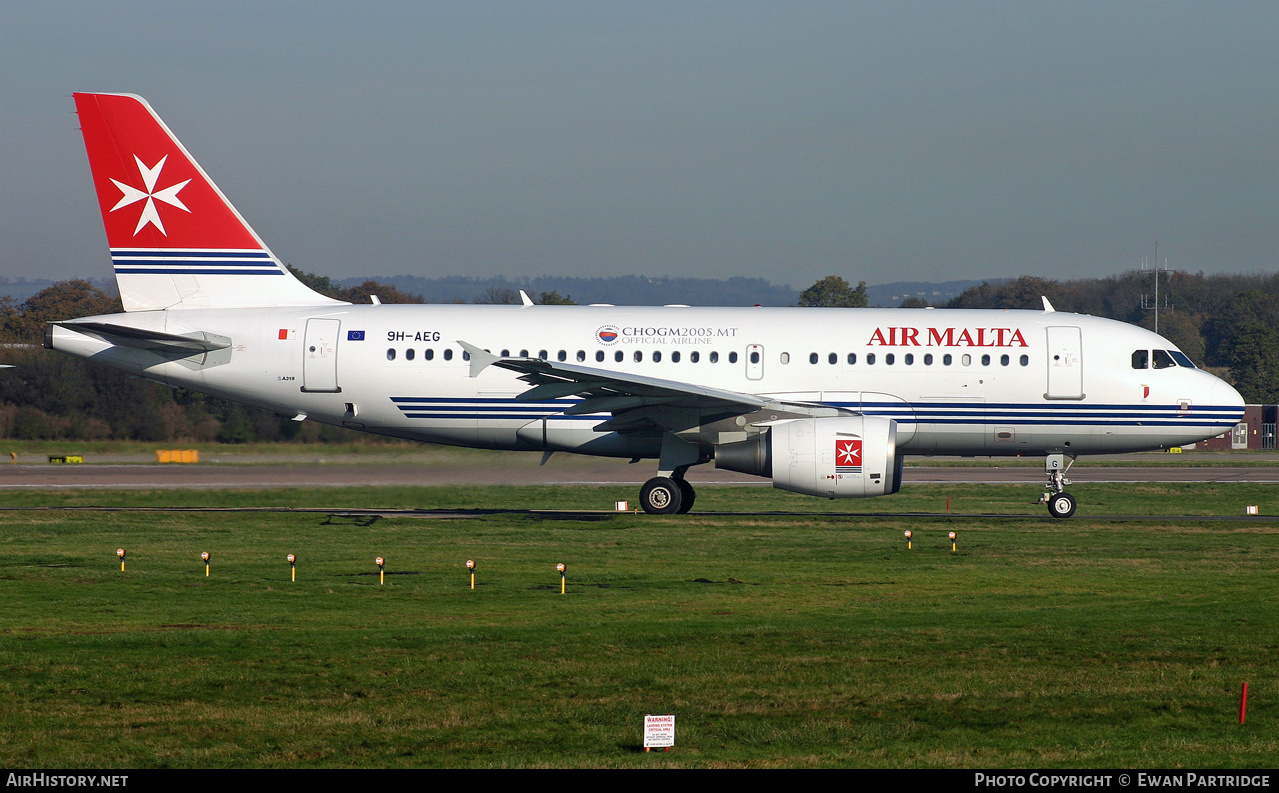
pixel 192 343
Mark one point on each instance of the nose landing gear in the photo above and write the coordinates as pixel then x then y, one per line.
pixel 1060 503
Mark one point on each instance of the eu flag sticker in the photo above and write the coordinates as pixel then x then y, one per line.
pixel 355 335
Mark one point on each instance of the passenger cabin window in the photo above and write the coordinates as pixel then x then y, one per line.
pixel 675 357
pixel 599 355
pixel 1162 360
pixel 732 357
pixel 852 358
pixel 714 357
pixel 785 357
pixel 561 355
pixel 448 354
pixel 870 359
pixel 1141 359
pixel 908 359
pixel 390 354
pixel 428 354
pixel 618 356
pixel 812 357
pixel 408 354
pixel 657 356
pixel 694 356
pixel 581 355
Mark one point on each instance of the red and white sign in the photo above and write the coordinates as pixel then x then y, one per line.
pixel 848 456
pixel 659 732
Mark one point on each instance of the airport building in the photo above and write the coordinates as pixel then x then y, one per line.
pixel 1256 432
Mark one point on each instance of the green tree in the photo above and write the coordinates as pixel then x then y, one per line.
pixel 385 293
pixel 555 299
pixel 1254 363
pixel 1025 292
pixel 500 295
pixel 834 292
pixel 320 283
pixel 63 300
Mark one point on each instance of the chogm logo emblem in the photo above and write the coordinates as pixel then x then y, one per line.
pixel 607 335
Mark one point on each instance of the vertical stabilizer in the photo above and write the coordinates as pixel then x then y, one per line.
pixel 175 239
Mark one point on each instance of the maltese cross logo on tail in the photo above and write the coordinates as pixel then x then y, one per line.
pixel 848 457
pixel 132 195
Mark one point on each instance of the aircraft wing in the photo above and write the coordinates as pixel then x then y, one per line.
pixel 636 401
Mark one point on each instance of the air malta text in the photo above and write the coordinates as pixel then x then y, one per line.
pixel 947 337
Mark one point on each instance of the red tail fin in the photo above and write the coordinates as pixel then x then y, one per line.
pixel 176 241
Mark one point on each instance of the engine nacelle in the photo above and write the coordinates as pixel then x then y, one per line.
pixel 835 457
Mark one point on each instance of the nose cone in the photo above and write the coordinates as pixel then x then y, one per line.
pixel 1224 395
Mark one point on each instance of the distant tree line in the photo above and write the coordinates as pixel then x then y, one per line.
pixel 1226 323
pixel 49 396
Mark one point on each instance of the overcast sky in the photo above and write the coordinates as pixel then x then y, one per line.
pixel 784 140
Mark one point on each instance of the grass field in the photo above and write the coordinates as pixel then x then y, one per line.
pixel 777 640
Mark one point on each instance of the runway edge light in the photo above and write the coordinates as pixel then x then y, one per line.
pixel 381 570
pixel 205 556
pixel 470 565
pixel 293 567
pixel 120 553
pixel 562 570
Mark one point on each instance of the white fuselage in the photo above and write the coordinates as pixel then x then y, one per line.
pixel 967 382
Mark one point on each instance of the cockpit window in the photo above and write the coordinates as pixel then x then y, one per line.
pixel 1163 360
pixel 1182 359
pixel 1141 359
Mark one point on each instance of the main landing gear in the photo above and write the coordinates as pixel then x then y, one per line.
pixel 1060 503
pixel 667 495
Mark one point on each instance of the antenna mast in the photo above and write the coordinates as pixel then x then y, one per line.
pixel 1144 303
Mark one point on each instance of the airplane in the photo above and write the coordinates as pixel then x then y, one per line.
pixel 826 402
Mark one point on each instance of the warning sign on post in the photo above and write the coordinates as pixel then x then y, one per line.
pixel 659 732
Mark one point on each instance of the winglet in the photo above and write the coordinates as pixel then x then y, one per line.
pixel 525 299
pixel 1048 307
pixel 480 359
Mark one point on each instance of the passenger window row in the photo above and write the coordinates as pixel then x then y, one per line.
pixel 695 356
pixel 908 359
pixel 562 355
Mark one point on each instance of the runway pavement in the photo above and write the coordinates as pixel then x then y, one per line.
pixel 453 467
